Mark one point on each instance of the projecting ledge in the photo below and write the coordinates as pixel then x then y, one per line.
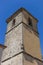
pixel 2 46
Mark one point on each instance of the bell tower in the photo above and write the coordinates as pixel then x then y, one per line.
pixel 21 37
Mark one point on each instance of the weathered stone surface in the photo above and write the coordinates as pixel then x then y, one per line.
pixel 31 42
pixel 13 42
pixel 18 19
pixel 17 60
pixel 26 17
pixel 1 50
pixel 29 60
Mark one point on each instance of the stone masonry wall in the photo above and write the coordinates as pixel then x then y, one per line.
pixel 17 60
pixel 18 19
pixel 1 50
pixel 31 42
pixel 29 60
pixel 13 42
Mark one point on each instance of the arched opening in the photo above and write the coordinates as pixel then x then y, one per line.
pixel 13 22
pixel 29 21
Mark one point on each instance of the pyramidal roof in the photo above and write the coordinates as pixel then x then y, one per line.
pixel 17 12
pixel 2 46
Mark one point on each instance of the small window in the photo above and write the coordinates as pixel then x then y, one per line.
pixel 30 21
pixel 13 22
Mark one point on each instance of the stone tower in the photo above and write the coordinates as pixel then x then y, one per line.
pixel 22 39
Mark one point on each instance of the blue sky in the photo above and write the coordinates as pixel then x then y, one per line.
pixel 8 7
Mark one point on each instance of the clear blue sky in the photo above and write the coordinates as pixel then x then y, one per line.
pixel 8 7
